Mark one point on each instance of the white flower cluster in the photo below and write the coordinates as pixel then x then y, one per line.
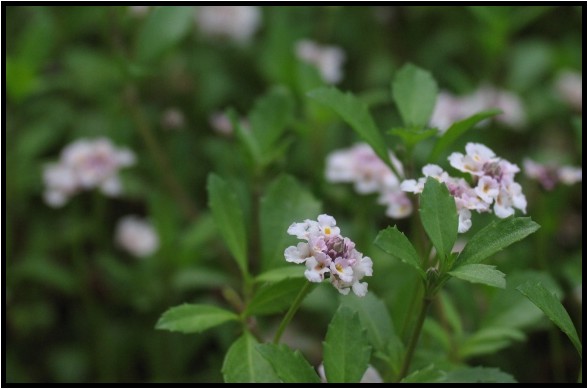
pixel 327 59
pixel 493 184
pixel 326 251
pixel 450 108
pixel 550 175
pixel 237 23
pixel 137 236
pixel 85 164
pixel 361 166
pixel 569 87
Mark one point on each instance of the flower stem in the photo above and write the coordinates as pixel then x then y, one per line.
pixel 414 338
pixel 293 308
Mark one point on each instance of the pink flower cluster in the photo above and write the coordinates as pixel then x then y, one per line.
pixel 494 186
pixel 550 175
pixel 326 252
pixel 361 166
pixel 83 165
pixel 450 108
pixel 327 59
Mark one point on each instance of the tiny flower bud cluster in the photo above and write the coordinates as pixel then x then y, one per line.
pixel 327 59
pixel 493 184
pixel 450 108
pixel 237 23
pixel 137 236
pixel 361 166
pixel 326 252
pixel 550 175
pixel 83 165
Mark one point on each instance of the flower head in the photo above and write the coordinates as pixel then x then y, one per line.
pixel 326 253
pixel 237 23
pixel 550 175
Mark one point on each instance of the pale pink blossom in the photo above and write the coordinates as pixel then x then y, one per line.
pixel 236 22
pixel 569 87
pixel 550 175
pixel 137 236
pixel 327 59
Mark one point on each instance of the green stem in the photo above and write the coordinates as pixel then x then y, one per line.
pixel 414 338
pixel 293 308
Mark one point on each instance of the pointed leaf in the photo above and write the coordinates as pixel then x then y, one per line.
pixel 355 113
pixel 244 364
pixel 228 217
pixel 414 91
pixel 481 274
pixel 439 216
pixel 494 237
pixel 395 243
pixel 281 273
pixel 489 340
pixel 191 318
pixel 459 128
pixel 289 365
pixel 346 348
pixel 428 374
pixel 269 117
pixel 275 297
pixel 284 203
pixel 480 374
pixel 552 308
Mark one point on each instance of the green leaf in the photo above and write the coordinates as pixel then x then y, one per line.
pixel 489 340
pixel 412 136
pixel 244 364
pixel 395 243
pixel 439 216
pixel 415 91
pixel 355 113
pixel 281 273
pixel 479 374
pixel 228 217
pixel 346 349
pixel 457 129
pixel 275 297
pixel 495 237
pixel 289 365
pixel 191 318
pixel 481 274
pixel 269 117
pixel 552 308
pixel 428 374
pixel 284 203
pixel 374 317
pixel 164 27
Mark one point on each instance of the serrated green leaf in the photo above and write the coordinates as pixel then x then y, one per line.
pixel 284 203
pixel 495 237
pixel 414 91
pixel 413 136
pixel 479 374
pixel 193 318
pixel 395 243
pixel 457 129
pixel 439 216
pixel 244 364
pixel 356 114
pixel 489 340
pixel 281 273
pixel 346 348
pixel 164 27
pixel 275 297
pixel 552 308
pixel 228 217
pixel 480 274
pixel 374 317
pixel 428 374
pixel 288 364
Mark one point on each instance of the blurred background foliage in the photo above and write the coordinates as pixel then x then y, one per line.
pixel 78 308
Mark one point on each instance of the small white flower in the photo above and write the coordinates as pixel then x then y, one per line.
pixel 327 59
pixel 238 23
pixel 569 87
pixel 136 236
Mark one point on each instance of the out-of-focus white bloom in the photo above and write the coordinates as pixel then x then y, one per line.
pixel 493 184
pixel 550 175
pixel 236 22
pixel 328 59
pixel 139 10
pixel 450 108
pixel 83 165
pixel 569 87
pixel 137 236
pixel 361 166
pixel 220 122
pixel 328 254
pixel 371 375
pixel 172 119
